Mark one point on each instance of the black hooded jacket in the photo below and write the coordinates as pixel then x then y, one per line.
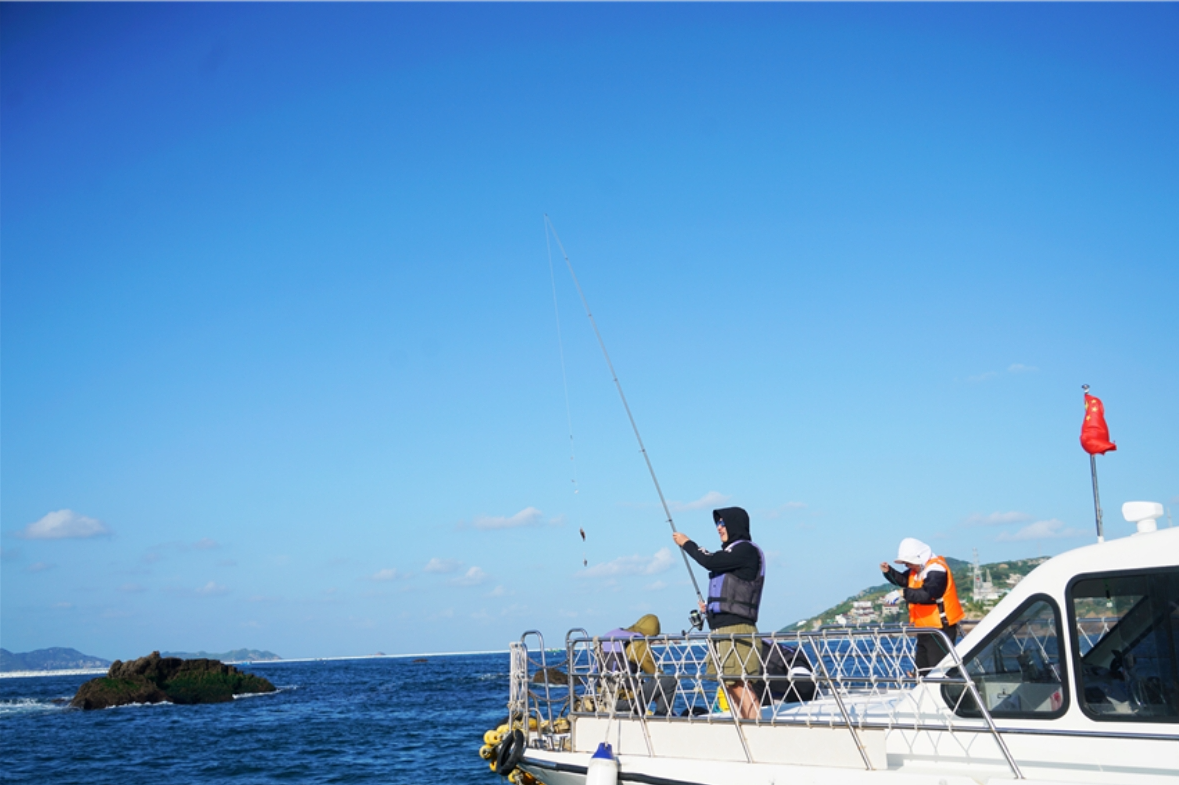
pixel 744 560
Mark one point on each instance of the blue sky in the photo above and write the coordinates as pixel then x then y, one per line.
pixel 280 357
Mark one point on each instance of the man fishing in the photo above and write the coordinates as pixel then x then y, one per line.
pixel 736 576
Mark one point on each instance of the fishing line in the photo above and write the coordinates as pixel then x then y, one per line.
pixel 549 226
pixel 565 382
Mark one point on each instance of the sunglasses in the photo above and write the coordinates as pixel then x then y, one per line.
pixel 720 524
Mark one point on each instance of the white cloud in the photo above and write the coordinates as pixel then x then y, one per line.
pixel 708 501
pixel 205 545
pixel 443 565
pixel 529 516
pixel 656 586
pixel 781 510
pixel 1013 368
pixel 386 575
pixel 498 591
pixel 630 565
pixel 39 567
pixel 1040 530
pixel 64 524
pixel 996 518
pixel 472 577
pixel 212 589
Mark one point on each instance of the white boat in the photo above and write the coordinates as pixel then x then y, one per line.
pixel 1072 678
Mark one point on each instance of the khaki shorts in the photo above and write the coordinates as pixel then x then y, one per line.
pixel 738 653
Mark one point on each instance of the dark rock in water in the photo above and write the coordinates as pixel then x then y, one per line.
pixel 421 659
pixel 551 675
pixel 154 679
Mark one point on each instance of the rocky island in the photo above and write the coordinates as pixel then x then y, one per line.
pixel 155 679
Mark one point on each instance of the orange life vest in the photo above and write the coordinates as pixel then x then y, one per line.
pixel 947 612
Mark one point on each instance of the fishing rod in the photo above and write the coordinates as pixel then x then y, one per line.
pixel 697 622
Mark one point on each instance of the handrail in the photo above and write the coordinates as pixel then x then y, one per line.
pixel 524 686
pixel 822 666
pixel 858 678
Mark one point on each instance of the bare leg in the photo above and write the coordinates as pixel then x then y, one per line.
pixel 746 704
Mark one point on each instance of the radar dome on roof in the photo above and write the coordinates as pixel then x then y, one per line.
pixel 1145 514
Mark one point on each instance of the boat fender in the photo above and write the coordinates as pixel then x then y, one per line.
pixel 603 767
pixel 521 777
pixel 495 735
pixel 511 750
pixel 486 752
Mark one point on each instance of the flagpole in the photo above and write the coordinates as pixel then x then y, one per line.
pixel 1096 495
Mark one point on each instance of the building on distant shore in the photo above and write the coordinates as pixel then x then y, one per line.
pixel 862 612
pixel 985 591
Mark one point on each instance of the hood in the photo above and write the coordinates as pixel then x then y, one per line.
pixel 648 625
pixel 914 551
pixel 736 522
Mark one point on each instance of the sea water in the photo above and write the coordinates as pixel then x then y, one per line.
pixel 383 720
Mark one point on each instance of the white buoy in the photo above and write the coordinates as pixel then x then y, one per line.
pixel 603 768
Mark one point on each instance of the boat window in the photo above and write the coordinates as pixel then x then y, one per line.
pixel 1126 639
pixel 1017 671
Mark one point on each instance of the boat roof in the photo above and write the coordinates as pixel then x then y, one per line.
pixel 1141 550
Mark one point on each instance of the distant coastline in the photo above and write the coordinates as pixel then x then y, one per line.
pixel 93 671
pixel 233 655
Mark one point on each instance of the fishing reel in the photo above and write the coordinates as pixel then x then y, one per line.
pixel 696 620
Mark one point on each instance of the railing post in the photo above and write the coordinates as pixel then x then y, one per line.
pixel 734 709
pixel 846 716
pixel 982 708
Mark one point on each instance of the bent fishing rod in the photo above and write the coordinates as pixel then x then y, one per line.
pixel 697 622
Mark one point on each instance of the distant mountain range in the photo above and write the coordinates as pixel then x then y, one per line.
pixel 237 655
pixel 58 659
pixel 55 659
pixel 997 578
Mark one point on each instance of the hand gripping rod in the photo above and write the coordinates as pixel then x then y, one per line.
pixel 625 405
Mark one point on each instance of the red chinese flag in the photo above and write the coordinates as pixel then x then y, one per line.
pixel 1094 431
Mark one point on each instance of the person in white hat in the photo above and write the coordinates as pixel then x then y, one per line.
pixel 928 588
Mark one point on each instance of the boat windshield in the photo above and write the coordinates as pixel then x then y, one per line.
pixel 1018 670
pixel 1127 639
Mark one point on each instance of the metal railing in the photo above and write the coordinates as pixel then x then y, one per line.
pixel 853 678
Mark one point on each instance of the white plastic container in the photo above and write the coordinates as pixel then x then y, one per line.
pixel 603 768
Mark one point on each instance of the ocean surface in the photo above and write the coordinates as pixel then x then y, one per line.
pixel 387 720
